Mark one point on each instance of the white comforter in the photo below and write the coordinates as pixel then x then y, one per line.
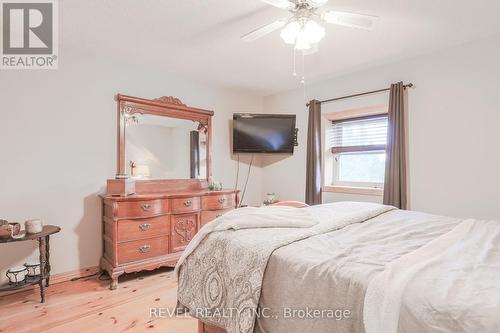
pixel 450 285
pixel 332 271
pixel 220 281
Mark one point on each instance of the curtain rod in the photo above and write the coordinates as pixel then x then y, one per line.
pixel 409 85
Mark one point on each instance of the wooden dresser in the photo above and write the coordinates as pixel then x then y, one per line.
pixel 146 231
pixel 147 223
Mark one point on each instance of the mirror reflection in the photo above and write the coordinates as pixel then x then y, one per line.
pixel 165 148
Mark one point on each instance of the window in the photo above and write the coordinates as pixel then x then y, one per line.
pixel 358 149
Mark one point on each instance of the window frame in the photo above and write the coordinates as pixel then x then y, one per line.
pixel 330 177
pixel 335 177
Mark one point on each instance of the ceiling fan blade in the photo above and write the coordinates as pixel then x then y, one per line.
pixel 285 4
pixel 359 21
pixel 318 3
pixel 262 31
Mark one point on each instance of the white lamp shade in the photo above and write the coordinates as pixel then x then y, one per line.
pixel 302 41
pixel 314 32
pixel 142 170
pixel 302 33
pixel 290 32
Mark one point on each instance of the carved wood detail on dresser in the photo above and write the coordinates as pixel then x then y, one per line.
pixel 147 223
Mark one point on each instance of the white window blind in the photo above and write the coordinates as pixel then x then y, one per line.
pixel 356 135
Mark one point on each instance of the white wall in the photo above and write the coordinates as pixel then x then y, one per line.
pixel 454 118
pixel 58 146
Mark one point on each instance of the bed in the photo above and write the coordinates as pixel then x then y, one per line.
pixel 350 267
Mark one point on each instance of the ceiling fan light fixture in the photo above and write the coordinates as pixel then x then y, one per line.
pixel 314 31
pixel 290 32
pixel 302 42
pixel 302 33
pixel 304 30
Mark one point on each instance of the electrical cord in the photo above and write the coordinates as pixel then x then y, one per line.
pixel 106 277
pixel 246 182
pixel 99 274
pixel 237 173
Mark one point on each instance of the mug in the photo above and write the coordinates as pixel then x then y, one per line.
pixel 33 268
pixel 33 226
pixel 17 274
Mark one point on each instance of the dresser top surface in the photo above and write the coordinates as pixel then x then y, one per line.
pixel 168 194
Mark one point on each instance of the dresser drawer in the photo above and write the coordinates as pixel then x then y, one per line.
pixel 220 201
pixel 142 249
pixel 145 208
pixel 184 227
pixel 185 205
pixel 143 228
pixel 210 215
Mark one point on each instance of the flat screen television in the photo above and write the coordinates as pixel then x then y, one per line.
pixel 263 133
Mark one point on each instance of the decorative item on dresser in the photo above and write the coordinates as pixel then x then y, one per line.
pixel 147 223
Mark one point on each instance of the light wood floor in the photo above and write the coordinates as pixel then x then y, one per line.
pixel 88 305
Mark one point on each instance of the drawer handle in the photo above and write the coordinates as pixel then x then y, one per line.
pixel 221 200
pixel 188 203
pixel 146 207
pixel 144 226
pixel 145 248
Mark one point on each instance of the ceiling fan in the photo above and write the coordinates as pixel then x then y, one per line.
pixel 304 29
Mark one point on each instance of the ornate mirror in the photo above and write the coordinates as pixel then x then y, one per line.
pixel 163 139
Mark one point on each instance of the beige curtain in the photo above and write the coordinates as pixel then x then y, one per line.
pixel 395 187
pixel 313 171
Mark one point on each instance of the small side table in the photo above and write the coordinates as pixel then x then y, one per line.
pixel 44 248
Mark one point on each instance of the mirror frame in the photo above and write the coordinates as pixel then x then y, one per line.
pixel 166 106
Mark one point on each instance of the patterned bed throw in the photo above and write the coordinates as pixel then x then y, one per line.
pixel 220 281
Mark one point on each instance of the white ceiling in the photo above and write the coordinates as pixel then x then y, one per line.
pixel 200 38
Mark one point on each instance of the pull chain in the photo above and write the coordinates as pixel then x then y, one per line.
pixel 294 73
pixel 294 62
pixel 303 80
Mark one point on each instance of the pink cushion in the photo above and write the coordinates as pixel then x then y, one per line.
pixel 296 204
